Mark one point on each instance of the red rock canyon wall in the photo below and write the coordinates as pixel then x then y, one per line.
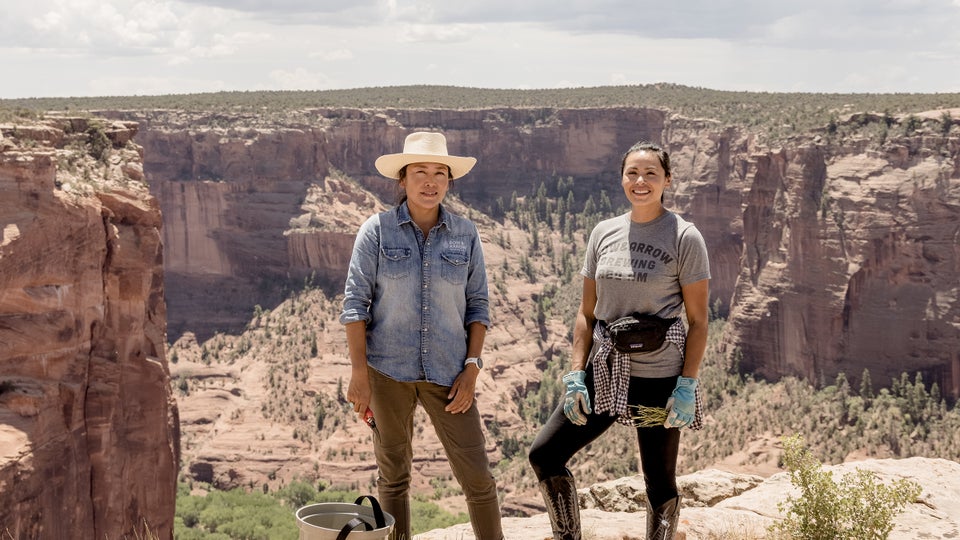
pixel 88 427
pixel 835 256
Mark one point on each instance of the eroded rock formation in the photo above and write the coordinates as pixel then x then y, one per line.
pixel 233 197
pixel 850 259
pixel 831 255
pixel 835 254
pixel 88 428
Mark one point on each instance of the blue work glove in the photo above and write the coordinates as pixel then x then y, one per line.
pixel 576 402
pixel 682 405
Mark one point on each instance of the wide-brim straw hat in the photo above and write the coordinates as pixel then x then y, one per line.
pixel 424 147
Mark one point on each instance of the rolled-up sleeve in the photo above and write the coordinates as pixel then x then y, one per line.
pixel 362 273
pixel 478 301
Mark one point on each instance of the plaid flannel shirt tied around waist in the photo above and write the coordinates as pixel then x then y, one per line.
pixel 611 374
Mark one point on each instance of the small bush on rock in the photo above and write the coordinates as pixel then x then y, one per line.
pixel 860 507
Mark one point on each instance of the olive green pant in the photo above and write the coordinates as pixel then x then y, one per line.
pixel 393 404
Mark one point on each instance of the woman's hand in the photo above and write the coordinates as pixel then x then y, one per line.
pixel 463 390
pixel 358 391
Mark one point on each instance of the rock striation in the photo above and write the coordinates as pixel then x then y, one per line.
pixel 829 254
pixel 233 197
pixel 850 258
pixel 88 428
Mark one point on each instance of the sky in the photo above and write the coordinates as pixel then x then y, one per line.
pixel 59 48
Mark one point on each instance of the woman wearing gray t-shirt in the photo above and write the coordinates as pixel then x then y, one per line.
pixel 648 262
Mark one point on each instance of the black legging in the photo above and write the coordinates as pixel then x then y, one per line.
pixel 560 439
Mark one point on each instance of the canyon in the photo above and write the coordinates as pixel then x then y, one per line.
pixel 828 256
pixel 211 247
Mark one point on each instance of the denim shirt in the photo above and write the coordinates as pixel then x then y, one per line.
pixel 416 306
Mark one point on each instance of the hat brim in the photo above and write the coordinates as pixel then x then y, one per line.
pixel 390 164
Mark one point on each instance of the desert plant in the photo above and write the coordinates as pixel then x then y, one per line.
pixel 241 514
pixel 911 124
pixel 946 120
pixel 648 416
pixel 98 144
pixel 860 507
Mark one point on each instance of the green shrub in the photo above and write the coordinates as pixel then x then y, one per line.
pixel 860 507
pixel 426 516
pixel 98 142
pixel 233 514
pixel 241 515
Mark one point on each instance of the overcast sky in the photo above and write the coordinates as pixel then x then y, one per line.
pixel 125 47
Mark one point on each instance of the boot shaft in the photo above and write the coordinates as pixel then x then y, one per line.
pixel 560 495
pixel 662 521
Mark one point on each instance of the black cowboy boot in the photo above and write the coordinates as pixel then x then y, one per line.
pixel 662 522
pixel 560 495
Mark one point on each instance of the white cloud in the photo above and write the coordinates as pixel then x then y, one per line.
pixel 447 33
pixel 226 45
pixel 79 47
pixel 333 55
pixel 298 79
pixel 97 26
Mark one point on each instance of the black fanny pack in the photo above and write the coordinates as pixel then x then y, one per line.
pixel 639 333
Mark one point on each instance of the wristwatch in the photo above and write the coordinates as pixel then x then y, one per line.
pixel 474 360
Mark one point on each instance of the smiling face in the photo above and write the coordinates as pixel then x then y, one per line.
pixel 425 185
pixel 643 181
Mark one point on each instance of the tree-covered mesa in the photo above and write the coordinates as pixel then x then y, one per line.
pixel 775 115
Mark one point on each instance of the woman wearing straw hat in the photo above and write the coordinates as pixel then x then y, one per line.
pixel 416 314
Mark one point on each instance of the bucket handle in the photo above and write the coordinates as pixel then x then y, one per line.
pixel 381 522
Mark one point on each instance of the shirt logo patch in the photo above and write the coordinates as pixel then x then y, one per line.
pixel 456 246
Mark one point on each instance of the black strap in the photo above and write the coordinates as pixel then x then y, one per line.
pixel 350 526
pixel 377 511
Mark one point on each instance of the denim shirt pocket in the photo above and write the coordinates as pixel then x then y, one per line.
pixel 455 261
pixel 395 262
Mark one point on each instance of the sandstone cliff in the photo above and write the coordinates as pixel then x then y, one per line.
pixel 850 258
pixel 835 254
pixel 88 429
pixel 231 195
pixel 240 391
pixel 831 254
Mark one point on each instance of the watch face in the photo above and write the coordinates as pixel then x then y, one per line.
pixel 478 361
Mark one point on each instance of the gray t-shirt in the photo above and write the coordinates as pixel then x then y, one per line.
pixel 641 267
